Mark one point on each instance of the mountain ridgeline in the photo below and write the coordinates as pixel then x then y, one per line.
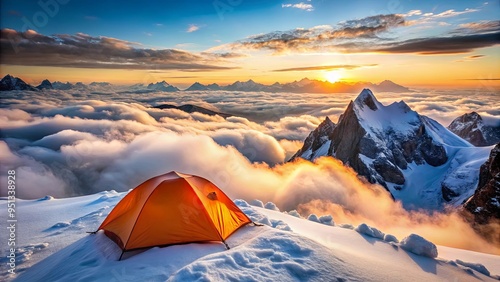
pixel 9 83
pixel 419 161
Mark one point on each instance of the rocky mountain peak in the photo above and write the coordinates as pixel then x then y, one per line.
pixel 318 138
pixel 45 85
pixel 9 83
pixel 393 146
pixel 484 205
pixel 472 128
pixel 366 98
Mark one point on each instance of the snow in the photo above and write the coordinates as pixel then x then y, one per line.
pixel 422 188
pixel 476 266
pixel 257 203
pixel 312 217
pixel 390 238
pixel 294 213
pixel 326 220
pixel 323 150
pixel 55 247
pixel 370 231
pixel 419 245
pixel 423 183
pixel 442 135
pixel 378 122
pixel 271 206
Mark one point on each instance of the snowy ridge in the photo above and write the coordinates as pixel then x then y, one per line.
pixel 56 247
pixel 419 161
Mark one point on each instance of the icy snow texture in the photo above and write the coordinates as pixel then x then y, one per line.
pixel 294 213
pixel 271 206
pixel 420 246
pixel 313 217
pixel 370 231
pixel 390 238
pixel 327 220
pixel 476 266
pixel 257 203
pixel 312 252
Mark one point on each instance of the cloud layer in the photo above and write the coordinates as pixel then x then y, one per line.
pixel 73 143
pixel 370 35
pixel 80 50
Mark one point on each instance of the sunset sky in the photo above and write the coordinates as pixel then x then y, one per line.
pixel 414 43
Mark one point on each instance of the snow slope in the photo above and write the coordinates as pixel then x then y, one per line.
pixel 53 246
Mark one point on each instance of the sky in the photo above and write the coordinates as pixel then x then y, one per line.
pixel 413 43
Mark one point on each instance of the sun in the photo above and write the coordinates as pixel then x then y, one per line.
pixel 333 76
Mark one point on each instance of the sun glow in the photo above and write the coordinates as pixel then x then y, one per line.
pixel 333 76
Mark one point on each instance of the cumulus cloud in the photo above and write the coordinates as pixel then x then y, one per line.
pixel 318 37
pixel 302 6
pixel 192 28
pixel 80 50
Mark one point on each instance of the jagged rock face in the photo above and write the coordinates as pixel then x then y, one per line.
pixel 390 150
pixel 471 127
pixel 399 149
pixel 62 86
pixel 484 205
pixel 347 143
pixel 162 86
pixel 45 85
pixel 9 83
pixel 317 138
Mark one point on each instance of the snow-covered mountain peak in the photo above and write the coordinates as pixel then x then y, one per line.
pixel 45 85
pixel 163 82
pixel 162 86
pixel 472 128
pixel 9 82
pixel 366 98
pixel 414 157
pixel 10 79
pixel 379 120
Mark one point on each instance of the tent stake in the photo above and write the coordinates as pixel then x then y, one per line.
pixel 227 246
pixel 121 256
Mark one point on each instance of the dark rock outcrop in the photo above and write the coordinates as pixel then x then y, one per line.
pixel 45 85
pixel 188 108
pixel 390 150
pixel 317 138
pixel 9 83
pixel 472 128
pixel 484 205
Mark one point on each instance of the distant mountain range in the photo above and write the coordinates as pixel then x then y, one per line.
pixel 13 83
pixel 302 86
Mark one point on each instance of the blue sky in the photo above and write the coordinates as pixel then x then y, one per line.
pixel 164 23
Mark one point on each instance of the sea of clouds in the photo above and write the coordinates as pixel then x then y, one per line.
pixel 77 142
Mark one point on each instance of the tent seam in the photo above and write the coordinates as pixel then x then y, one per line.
pixel 205 209
pixel 139 215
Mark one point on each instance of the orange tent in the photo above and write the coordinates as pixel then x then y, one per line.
pixel 173 208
